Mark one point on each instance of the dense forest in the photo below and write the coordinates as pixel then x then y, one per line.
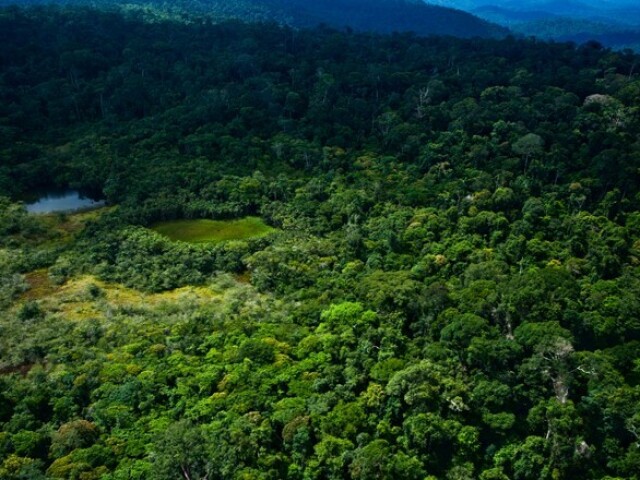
pixel 382 16
pixel 448 286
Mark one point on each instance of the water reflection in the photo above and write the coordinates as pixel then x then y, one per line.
pixel 65 201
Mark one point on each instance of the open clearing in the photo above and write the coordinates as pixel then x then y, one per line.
pixel 213 231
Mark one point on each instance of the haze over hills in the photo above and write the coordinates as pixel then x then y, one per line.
pixel 613 23
pixel 382 16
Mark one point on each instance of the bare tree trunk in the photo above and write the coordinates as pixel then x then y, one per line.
pixel 185 472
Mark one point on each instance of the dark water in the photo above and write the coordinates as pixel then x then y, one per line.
pixel 63 201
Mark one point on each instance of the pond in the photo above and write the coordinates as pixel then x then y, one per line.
pixel 64 202
pixel 213 231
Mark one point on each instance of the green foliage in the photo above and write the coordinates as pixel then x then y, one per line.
pixel 73 435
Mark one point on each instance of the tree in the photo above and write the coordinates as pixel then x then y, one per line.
pixel 528 146
pixel 181 452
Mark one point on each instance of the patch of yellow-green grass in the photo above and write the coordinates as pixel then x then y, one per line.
pixel 120 296
pixel 87 297
pixel 213 231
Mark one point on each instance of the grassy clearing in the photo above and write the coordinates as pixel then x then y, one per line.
pixel 86 297
pixel 213 231
pixel 85 308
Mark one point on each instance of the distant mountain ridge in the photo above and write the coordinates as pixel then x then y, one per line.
pixel 622 15
pixel 615 24
pixel 381 16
